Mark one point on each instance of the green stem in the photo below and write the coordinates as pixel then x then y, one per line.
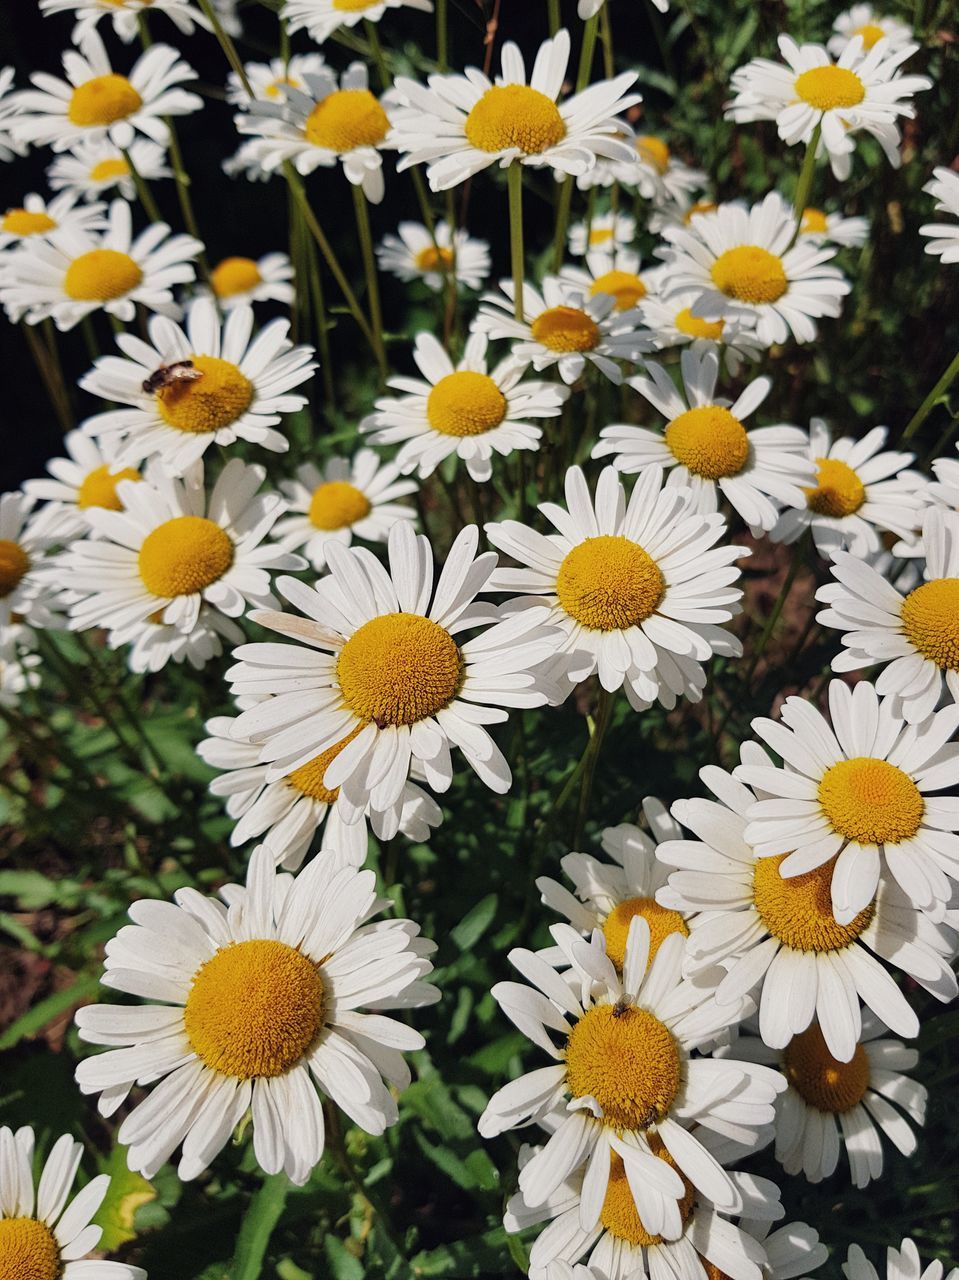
pixel 51 375
pixel 322 325
pixel 262 1214
pixel 932 399
pixel 590 31
pixel 334 1138
pixel 372 283
pixel 379 57
pixel 143 191
pixel 604 712
pixel 419 186
pixel 609 60
pixel 552 11
pixel 182 180
pixel 515 183
pixel 442 46
pixel 797 561
pixel 804 185
pixel 227 45
pixel 563 204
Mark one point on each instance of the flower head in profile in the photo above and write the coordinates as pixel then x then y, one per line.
pixel 27 591
pixel 670 322
pixel 271 81
pixel 871 25
pixel 943 236
pixel 833 228
pixel 9 108
pixel 604 233
pixel 258 1006
pixel 40 219
pixel 415 253
pixel 322 17
pixel 125 15
pixel 237 281
pixel 617 273
pixel 77 484
pixel 903 1263
pixel 18 666
pixel 90 169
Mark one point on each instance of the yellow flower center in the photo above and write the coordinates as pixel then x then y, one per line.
pixel 813 222
pixel 750 273
pixel 347 119
pixel 399 668
pixel 709 441
pixel 700 206
pixel 696 327
pixel 354 6
pixel 609 583
pixel 337 504
pixel 827 88
pixel 99 487
pixel 23 222
pixel 103 100
pixel 465 404
pixel 234 275
pixel 514 117
pixel 619 1215
pixel 600 235
pixel 254 1009
pixel 184 555
pixel 821 1080
pixel 308 779
pixel 566 329
pixel 871 801
pixel 930 619
pixel 625 286
pixel 654 151
pixel 798 909
pixel 276 88
pixel 14 563
pixel 871 33
pixel 101 275
pixel 218 398
pixel 662 922
pixel 838 492
pixel 108 170
pixel 628 1061
pixel 28 1250
pixel 435 257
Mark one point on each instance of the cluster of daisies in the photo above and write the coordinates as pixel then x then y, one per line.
pixel 721 979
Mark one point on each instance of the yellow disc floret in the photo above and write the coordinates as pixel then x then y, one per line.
pixel 26 222
pixel 699 206
pixel 254 1009
pixel 821 1080
pixel 709 441
pixel 654 151
pixel 99 487
pixel 28 1250
pixel 103 100
pixel 110 170
pixel 399 668
pixel 233 276
pixel 514 117
pixel 827 88
pixel 354 6
pixel 750 273
pixel 435 257
pixel 625 286
pixel 697 327
pixel 930 619
pixel 308 779
pixel 871 801
pixel 619 1215
pixel 14 563
pixel 627 1060
pixel 337 504
pixel 220 396
pixel 662 922
pixel 871 33
pixel 101 275
pixel 566 329
pixel 839 491
pixel 814 222
pixel 609 583
pixel 600 235
pixel 465 403
pixel 798 909
pixel 184 555
pixel 347 119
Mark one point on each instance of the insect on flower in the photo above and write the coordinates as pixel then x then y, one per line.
pixel 169 374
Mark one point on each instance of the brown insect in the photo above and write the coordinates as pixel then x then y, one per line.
pixel 620 1007
pixel 169 374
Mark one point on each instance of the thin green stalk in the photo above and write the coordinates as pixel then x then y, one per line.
pixel 804 185
pixel 369 267
pixel 144 194
pixel 552 13
pixel 374 1207
pixel 590 32
pixel 599 726
pixel 797 562
pixel 515 184
pixel 322 325
pixel 51 375
pixel 563 205
pixel 131 717
pixel 90 338
pixel 262 1214
pixel 442 41
pixel 932 399
pixel 227 45
pixel 379 57
pixel 609 60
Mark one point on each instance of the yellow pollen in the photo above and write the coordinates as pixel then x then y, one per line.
pixel 222 395
pixel 354 6
pixel 565 329
pixel 601 235
pixel 871 801
pixel 28 1250
pixel 709 441
pixel 254 1009
pixel 337 504
pixel 14 563
pixel 108 170
pixel 798 909
pixel 101 275
pixel 871 33
pixel 23 222
pixel 821 1080
pixel 839 491
pixel 625 286
pixel 930 619
pixel 465 403
pixel 234 275
pixel 99 487
pixel 184 555
pixel 813 222
pixel 700 206
pixel 276 88
pixel 662 922
pixel 435 257
pixel 654 151
pixel 399 668
pixel 308 779
pixel 103 100
pixel 827 88
pixel 514 117
pixel 619 1215
pixel 750 273
pixel 696 327
pixel 347 119
pixel 609 583
pixel 629 1063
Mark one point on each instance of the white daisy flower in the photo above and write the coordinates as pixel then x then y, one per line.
pixel 944 241
pixel 565 327
pixel 706 448
pixel 661 176
pixel 670 321
pixel 945 488
pixel 639 590
pixel 777 936
pixel 865 790
pixel 39 218
pixel 605 233
pixel 96 102
pixel 322 17
pixel 588 8
pixel 678 213
pixel 901 1264
pixel 76 273
pixel 170 550
pixel 154 643
pixel 243 389
pixel 415 254
pixel 381 652
pixel 25 537
pixel 616 273
pixel 271 80
pixel 791 1251
pixel 859 92
pixel 835 228
pixel 870 25
pixel 461 410
pixel 859 491
pixel 832 1104
pixel 77 484
pixel 236 281
pixel 346 499
pixel 461 124
pixel 288 812
pixel 244 163
pixel 259 1009
pixel 741 263
pixel 9 107
pixel 18 668
pixel 41 1236
pixel 626 1081
pixel 91 168
pixel 125 15
pixel 322 125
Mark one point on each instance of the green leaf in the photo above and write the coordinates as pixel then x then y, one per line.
pixel 475 923
pixel 343 1264
pixel 126 1193
pixel 31 889
pixel 47 1010
pixel 258 1222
